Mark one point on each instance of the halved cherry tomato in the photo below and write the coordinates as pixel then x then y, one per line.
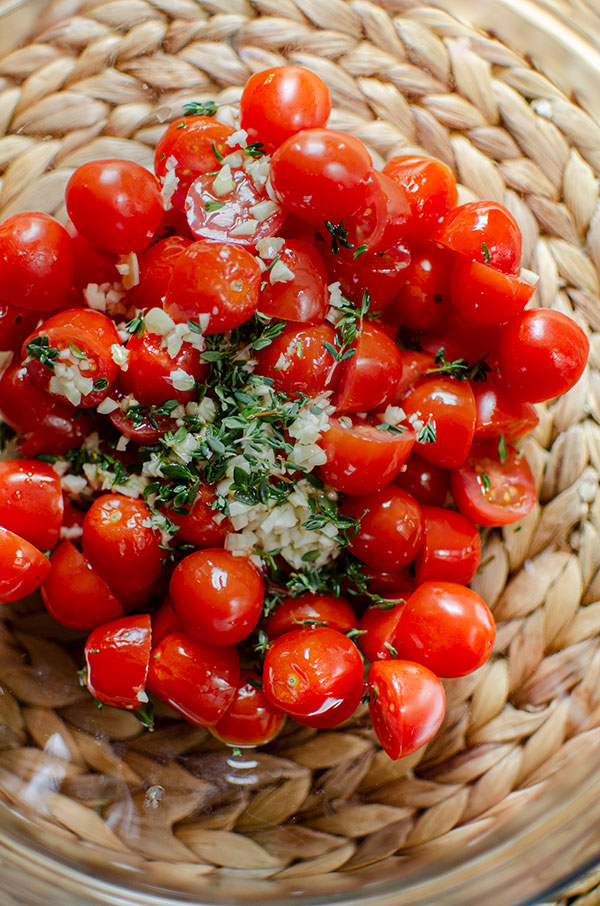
pixel 117 656
pixel 489 491
pixel 298 362
pixel 483 231
pixel 156 267
pixel 36 261
pixel 499 413
pixel 370 378
pixel 447 406
pixel 415 364
pixel 430 189
pixel 140 424
pixel 164 622
pixel 391 527
pixel 31 501
pixel 378 631
pixel 24 568
pixel 381 220
pixel 152 372
pixel 429 484
pixel 310 610
pixel 199 527
pixel 250 720
pixel 423 302
pixel 92 264
pixel 451 548
pixel 484 296
pixel 381 273
pixel 304 297
pixel 74 594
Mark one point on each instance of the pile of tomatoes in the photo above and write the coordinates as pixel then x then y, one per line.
pixel 374 291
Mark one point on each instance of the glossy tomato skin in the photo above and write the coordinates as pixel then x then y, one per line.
pixel 391 527
pixel 320 174
pixel 156 265
pixel 74 594
pixel 378 627
pixel 198 527
pixel 448 404
pixel 314 675
pixel 216 279
pixel 24 568
pixel 150 367
pixel 196 680
pixel 447 628
pixel 92 265
pixel 430 190
pixel 451 549
pixel 381 220
pixel 483 231
pixel 31 501
pixel 279 102
pixel 542 355
pixel 164 622
pixel 15 324
pixel 116 204
pixel 120 544
pixel 36 261
pixel 360 458
pixel 370 379
pixel 381 273
pixel 298 362
pixel 423 302
pixel 499 413
pixel 461 340
pixel 484 296
pixel 407 705
pixel 303 299
pixel 117 656
pixel 390 584
pixel 490 492
pixel 250 720
pixel 293 613
pixel 429 484
pixel 218 597
pixel 415 364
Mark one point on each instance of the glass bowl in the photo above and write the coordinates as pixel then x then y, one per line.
pixel 505 803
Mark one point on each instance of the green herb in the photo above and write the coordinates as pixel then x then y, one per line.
pixel 200 108
pixel 338 236
pixel 460 368
pixel 145 715
pixel 325 512
pixel 194 327
pixel 180 125
pixel 136 325
pixel 502 450
pixel 349 327
pixel 214 206
pixel 393 651
pixel 216 152
pixel 39 348
pixel 486 253
pixel 100 383
pixel 138 414
pixel 360 250
pixel 393 429
pixel 254 682
pixel 255 150
pixel 485 480
pixel 427 434
pixel 77 351
pixel 519 528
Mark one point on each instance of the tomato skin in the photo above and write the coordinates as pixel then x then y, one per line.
pixel 92 265
pixel 196 680
pixel 391 528
pixel 415 364
pixel 379 632
pixel 451 548
pixel 15 324
pixel 31 501
pixel 117 656
pixel 447 628
pixel 198 527
pixel 483 231
pixel 449 404
pixel 282 101
pixel 381 220
pixel 291 613
pixel 307 365
pixel 250 720
pixel 407 705
pixel 303 299
pixel 484 296
pixel 116 204
pixel 320 174
pixel 461 340
pixel 120 547
pixel 156 266
pixel 211 276
pixel 164 622
pixel 542 355
pixel 74 594
pixel 149 369
pixel 24 568
pixel 381 273
pixel 315 676
pixel 430 189
pixel 36 261
pixel 429 484
pixel 511 493
pixel 371 377
pixel 423 302
pixel 218 597
pixel 360 458
pixel 498 412
pixel 390 584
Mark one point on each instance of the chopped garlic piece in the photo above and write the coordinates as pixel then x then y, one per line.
pixel 181 380
pixel 223 181
pixel 157 321
pixel 246 228
pixel 270 247
pixel 107 406
pixel 129 268
pixel 264 209
pixel 280 273
pixel 120 356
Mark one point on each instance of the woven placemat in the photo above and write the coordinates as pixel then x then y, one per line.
pixel 83 80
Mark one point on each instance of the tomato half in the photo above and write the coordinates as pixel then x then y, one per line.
pixel 489 491
pixel 31 501
pixel 426 482
pixel 117 656
pixel 250 720
pixel 156 266
pixel 199 527
pixel 154 376
pixel 483 231
pixel 381 273
pixel 360 457
pixel 74 594
pixel 304 297
pixel 498 412
pixel 24 568
pixel 391 527
pixel 484 296
pixel 378 632
pixel 430 190
pixel 447 406
pixel 310 610
pixel 370 379
pixel 297 361
pixel 451 547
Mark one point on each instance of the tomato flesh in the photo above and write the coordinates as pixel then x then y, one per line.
pixel 117 656
pixel 489 491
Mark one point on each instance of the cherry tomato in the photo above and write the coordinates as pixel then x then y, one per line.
pixel 381 273
pixel 218 597
pixel 429 484
pixel 391 527
pixel 451 547
pixel 498 412
pixel 370 378
pixel 74 594
pixel 24 568
pixel 250 719
pixel 423 302
pixel 483 231
pixel 315 676
pixel 199 527
pixel 360 458
pixel 407 705
pixel 378 631
pixel 430 189
pixel 164 622
pixel 281 101
pixel 381 220
pixel 116 204
pixel 72 521
pixel 321 174
pixel 297 361
pixel 490 492
pixel 414 365
pixel 152 372
pixel 484 296
pixel 447 407
pixel 446 627
pixel 216 279
pixel 117 656
pixel 36 261
pixel 304 297
pixel 31 502
pixel 457 340
pixel 389 584
pixel 141 424
pixel 310 610
pixel 15 325
pixel 196 680
pixel 156 266
pixel 92 265
pixel 542 354
pixel 120 544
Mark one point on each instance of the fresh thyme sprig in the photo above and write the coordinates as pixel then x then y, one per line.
pixel 460 368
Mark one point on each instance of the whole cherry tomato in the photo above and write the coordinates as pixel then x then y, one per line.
pixel 426 482
pixel 499 413
pixel 310 610
pixel 74 594
pixel 443 409
pixel 430 190
pixel 36 261
pixel 154 376
pixel 370 378
pixel 199 527
pixel 451 547
pixel 303 297
pixel 117 655
pixel 250 720
pixel 15 324
pixel 484 296
pixel 31 501
pixel 24 568
pixel 483 231
pixel 391 527
pixel 156 265
pixel 423 302
pixel 381 220
pixel 380 274
pixel 390 584
pixel 92 264
pixel 490 490
pixel 297 361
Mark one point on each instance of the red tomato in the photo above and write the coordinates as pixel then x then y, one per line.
pixel 360 458
pixel 150 369
pixel 215 279
pixel 250 720
pixel 281 101
pixel 196 680
pixel 186 149
pixel 414 365
pixel 304 298
pixel 489 492
pixel 447 628
pixel 391 528
pixel 448 407
pixel 298 362
pixel 164 622
pixel 310 610
pixel 74 594
pixel 461 340
pixel 370 379
pixel 427 483
pixel 198 527
pixel 389 584
pixel 120 544
pixel 156 266
pixel 92 265
pixel 321 174
pixel 542 354
pixel 381 273
pixel 140 424
pixel 15 325
pixel 484 296
pixel 451 547
pixel 23 567
pixel 381 220
pixel 315 676
pixel 407 705
pixel 116 204
pixel 498 412
pixel 218 597
pixel 72 521
pixel 117 656
pixel 483 231
pixel 31 502
pixel 36 261
pixel 423 302
pixel 378 627
pixel 430 189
